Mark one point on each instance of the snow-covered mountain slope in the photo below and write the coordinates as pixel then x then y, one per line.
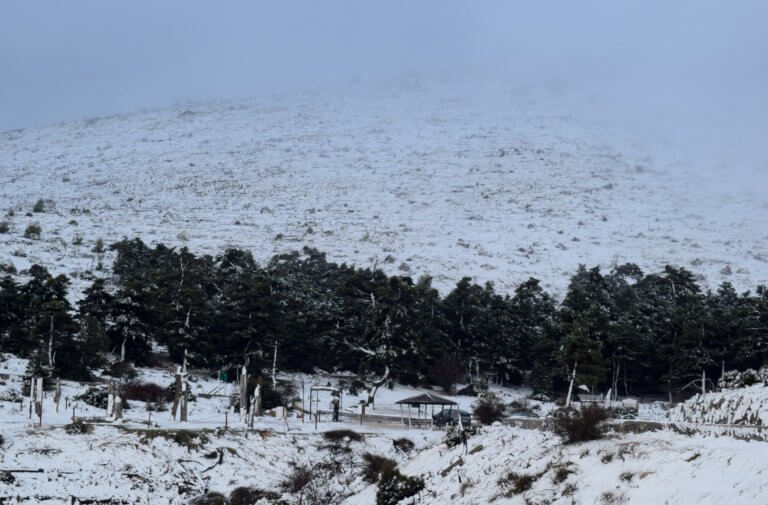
pixel 514 466
pixel 419 181
pixel 505 465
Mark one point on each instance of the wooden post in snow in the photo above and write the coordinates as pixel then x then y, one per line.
pixel 111 399
pixel 184 398
pixel 32 384
pixel 176 394
pixel 39 400
pixel 118 406
pixel 57 394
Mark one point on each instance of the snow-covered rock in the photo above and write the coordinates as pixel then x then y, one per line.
pixel 743 406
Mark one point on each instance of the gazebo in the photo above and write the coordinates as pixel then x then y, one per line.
pixel 425 400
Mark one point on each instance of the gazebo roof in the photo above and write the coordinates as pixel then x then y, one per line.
pixel 426 399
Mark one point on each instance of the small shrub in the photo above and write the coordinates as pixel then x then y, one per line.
pixel 515 483
pixel 581 425
pixel 250 496
pixel 375 466
pixel 98 247
pixel 33 231
pixel 342 436
pixel 403 445
pixel 298 480
pixel 144 392
pixel 185 438
pixel 78 240
pixel 468 390
pixel 7 478
pixel 561 473
pixel 5 227
pixel 39 206
pixel 489 408
pixel 394 487
pixel 209 499
pixel 121 370
pixel 95 397
pixel 78 428
pixel 454 435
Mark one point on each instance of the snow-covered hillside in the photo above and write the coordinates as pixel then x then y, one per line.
pixel 421 182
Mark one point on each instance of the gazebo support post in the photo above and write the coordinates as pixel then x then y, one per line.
pixel 402 421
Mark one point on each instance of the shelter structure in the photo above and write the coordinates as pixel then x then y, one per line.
pixel 425 400
pixel 315 391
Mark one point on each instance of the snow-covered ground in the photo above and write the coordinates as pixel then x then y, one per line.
pixel 419 180
pixel 124 460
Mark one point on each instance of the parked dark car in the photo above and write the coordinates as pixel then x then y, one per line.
pixel 451 417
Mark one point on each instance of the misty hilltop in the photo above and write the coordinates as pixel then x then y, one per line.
pixel 417 182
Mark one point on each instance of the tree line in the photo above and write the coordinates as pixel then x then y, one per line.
pixel 623 330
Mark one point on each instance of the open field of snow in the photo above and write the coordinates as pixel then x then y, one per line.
pixel 419 182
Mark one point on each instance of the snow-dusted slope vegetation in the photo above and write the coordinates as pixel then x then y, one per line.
pixel 421 183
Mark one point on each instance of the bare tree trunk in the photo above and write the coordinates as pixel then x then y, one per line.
pixel 570 386
pixel 274 368
pixel 50 344
pixel 374 388
pixel 122 350
pixel 243 394
pixel 703 381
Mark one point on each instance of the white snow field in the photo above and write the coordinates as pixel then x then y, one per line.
pixel 414 179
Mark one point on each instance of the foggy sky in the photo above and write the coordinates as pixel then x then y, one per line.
pixel 676 65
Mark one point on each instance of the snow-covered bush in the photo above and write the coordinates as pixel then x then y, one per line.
pixel 489 408
pixel 95 397
pixel 733 379
pixel 251 496
pixel 394 487
pixel 209 499
pixel 453 436
pixel 375 466
pixel 403 444
pixel 78 428
pixel 33 231
pixel 581 425
pixel 298 479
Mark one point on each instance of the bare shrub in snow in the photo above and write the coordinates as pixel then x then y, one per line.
pixel 342 436
pixel 581 425
pixel 489 408
pixel 394 487
pixel 251 496
pixel 403 444
pixel 78 428
pixel 375 466
pixel 515 483
pixel 298 479
pixel 33 231
pixel 39 206
pixel 209 499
